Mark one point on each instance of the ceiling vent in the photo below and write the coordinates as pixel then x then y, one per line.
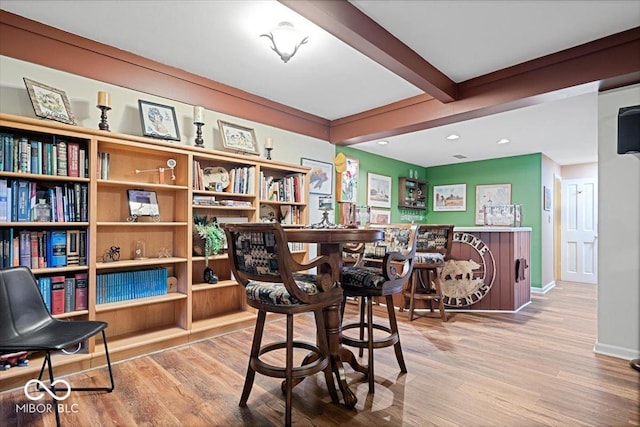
pixel 460 156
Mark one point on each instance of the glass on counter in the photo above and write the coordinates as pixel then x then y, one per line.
pixel 503 215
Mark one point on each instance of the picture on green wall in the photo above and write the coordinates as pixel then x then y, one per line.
pixel 450 197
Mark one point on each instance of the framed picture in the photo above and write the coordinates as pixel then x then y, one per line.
pixel 379 216
pixel 158 121
pixel 49 102
pixel 348 182
pixel 238 138
pixel 320 176
pixel 547 198
pixel 143 203
pixel 378 190
pixel 450 197
pixel 491 195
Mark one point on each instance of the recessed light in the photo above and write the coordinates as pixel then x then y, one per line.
pixel 453 137
pixel 503 141
pixel 383 142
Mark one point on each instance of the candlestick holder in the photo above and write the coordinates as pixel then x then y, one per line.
pixel 268 153
pixel 199 141
pixel 103 125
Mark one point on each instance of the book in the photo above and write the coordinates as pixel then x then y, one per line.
pixel 23 201
pixel 44 283
pixel 61 158
pixel 57 294
pixel 82 247
pixel 25 248
pixel 73 159
pixel 5 214
pixel 34 249
pixel 73 252
pixel 81 291
pixel 58 248
pixel 69 294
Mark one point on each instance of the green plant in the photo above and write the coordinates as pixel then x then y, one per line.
pixel 211 233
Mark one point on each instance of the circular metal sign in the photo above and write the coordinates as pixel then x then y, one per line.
pixel 467 280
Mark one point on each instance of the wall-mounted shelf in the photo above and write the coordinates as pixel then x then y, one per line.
pixel 412 194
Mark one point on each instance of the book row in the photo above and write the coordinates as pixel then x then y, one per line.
pixel 64 294
pixel 286 189
pixel 57 157
pixel 239 180
pixel 28 201
pixel 129 285
pixel 43 249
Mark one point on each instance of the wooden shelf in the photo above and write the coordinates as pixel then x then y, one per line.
pixel 172 296
pixel 222 321
pixel 412 194
pixel 138 262
pixel 207 286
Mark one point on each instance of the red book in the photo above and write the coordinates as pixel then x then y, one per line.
pixel 81 291
pixel 57 294
pixel 73 159
pixel 34 249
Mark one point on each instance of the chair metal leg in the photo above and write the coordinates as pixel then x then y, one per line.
pixel 255 351
pixel 394 330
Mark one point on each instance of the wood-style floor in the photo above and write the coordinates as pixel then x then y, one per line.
pixel 532 368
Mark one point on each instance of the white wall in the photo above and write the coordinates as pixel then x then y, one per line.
pixel 618 233
pixel 550 170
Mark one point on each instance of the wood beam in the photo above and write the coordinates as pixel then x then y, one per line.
pixel 608 62
pixel 349 24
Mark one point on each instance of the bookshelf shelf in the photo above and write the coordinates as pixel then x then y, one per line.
pixel 124 263
pixel 206 286
pixel 172 296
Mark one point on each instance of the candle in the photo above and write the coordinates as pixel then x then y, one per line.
pixel 103 99
pixel 198 114
pixel 268 143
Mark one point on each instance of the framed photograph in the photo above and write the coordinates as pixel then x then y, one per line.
pixel 450 198
pixel 320 176
pixel 49 102
pixel 238 138
pixel 158 121
pixel 378 190
pixel 379 216
pixel 143 203
pixel 491 195
pixel 348 182
pixel 547 198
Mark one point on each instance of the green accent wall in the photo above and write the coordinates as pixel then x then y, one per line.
pixel 525 175
pixel 523 172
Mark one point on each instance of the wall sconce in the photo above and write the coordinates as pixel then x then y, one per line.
pixel 285 40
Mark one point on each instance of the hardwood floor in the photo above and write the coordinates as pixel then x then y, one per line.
pixel 532 368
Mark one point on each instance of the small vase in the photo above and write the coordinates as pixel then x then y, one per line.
pixel 210 276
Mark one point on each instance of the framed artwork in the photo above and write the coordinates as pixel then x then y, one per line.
pixel 547 198
pixel 320 176
pixel 378 190
pixel 143 203
pixel 158 121
pixel 379 216
pixel 238 138
pixel 348 182
pixel 450 198
pixel 49 102
pixel 491 195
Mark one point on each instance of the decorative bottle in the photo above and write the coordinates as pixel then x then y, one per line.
pixel 42 211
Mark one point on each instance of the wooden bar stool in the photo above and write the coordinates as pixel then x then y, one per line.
pixel 433 249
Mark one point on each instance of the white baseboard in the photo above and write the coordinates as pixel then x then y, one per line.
pixel 546 288
pixel 615 351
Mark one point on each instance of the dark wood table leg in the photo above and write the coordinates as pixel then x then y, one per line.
pixel 334 329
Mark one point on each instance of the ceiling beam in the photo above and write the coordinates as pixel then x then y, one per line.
pixel 599 65
pixel 346 22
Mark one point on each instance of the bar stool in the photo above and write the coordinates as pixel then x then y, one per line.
pixel 433 249
pixel 382 270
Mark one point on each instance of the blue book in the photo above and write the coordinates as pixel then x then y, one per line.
pixel 7 152
pixel 35 160
pixel 24 201
pixel 5 212
pixel 58 248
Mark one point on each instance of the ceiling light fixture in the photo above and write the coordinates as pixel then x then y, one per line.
pixel 503 141
pixel 453 137
pixel 285 40
pixel 383 142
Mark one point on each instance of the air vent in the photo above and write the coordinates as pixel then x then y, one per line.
pixel 460 156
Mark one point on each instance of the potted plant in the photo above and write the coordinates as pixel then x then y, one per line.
pixel 213 237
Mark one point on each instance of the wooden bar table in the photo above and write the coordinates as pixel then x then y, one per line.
pixel 330 242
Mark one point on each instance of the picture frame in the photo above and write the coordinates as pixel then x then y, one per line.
pixel 547 198
pixel 379 216
pixel 347 187
pixel 158 121
pixel 143 203
pixel 450 198
pixel 378 190
pixel 238 138
pixel 49 102
pixel 320 176
pixel 491 195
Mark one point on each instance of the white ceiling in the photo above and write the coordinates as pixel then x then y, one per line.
pixel 463 39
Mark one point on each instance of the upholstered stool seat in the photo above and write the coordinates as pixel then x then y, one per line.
pixel 381 271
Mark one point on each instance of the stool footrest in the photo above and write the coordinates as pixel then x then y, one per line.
pixel 387 341
pixel 298 371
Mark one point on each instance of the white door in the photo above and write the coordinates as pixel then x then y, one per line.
pixel 580 230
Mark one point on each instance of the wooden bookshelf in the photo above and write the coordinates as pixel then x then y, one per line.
pixel 191 310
